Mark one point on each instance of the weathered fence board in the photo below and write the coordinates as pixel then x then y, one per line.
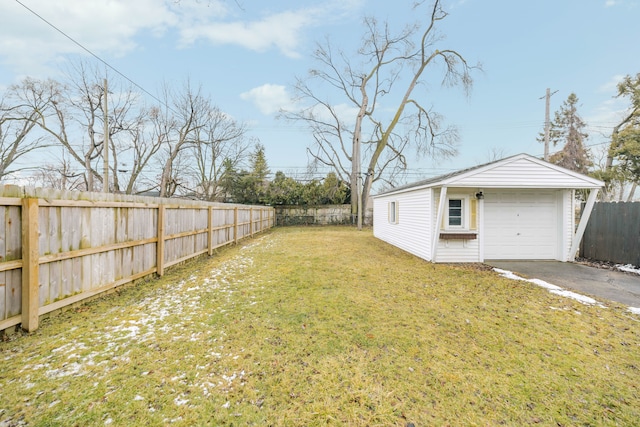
pixel 613 233
pixel 66 247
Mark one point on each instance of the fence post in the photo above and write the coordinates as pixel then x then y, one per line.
pixel 160 245
pixel 251 220
pixel 30 265
pixel 261 225
pixel 210 232
pixel 235 225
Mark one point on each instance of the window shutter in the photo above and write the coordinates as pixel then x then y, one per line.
pixel 473 219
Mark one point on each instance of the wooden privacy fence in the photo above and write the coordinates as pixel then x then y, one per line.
pixel 613 233
pixel 58 248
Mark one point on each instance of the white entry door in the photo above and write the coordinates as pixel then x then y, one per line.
pixel 521 224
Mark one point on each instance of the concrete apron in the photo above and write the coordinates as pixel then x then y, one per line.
pixel 597 282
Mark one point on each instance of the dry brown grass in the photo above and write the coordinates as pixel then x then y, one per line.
pixel 316 326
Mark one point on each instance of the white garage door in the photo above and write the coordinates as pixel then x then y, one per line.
pixel 521 225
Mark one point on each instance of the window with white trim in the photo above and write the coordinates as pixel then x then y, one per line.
pixel 460 213
pixel 393 212
pixel 454 217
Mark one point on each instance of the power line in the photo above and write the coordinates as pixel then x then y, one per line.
pixel 94 55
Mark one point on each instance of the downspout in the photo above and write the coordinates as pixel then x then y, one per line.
pixel 480 224
pixel 436 228
pixel 582 225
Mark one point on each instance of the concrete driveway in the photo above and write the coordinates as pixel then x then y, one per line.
pixel 596 282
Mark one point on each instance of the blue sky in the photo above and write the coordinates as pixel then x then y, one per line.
pixel 246 54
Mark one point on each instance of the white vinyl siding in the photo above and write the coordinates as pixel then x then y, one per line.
pixel 458 251
pixel 520 173
pixel 412 231
pixel 542 194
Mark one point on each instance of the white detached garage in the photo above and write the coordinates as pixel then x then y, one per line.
pixel 520 208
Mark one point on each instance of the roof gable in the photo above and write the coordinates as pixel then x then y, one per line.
pixel 520 171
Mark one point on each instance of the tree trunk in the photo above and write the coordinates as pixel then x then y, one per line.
pixel 355 160
pixel 632 192
pixel 166 175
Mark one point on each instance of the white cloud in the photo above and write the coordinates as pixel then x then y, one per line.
pixel 280 30
pixel 609 112
pixel 27 42
pixel 28 45
pixel 612 85
pixel 269 98
pixel 283 30
pixel 615 3
pixel 346 112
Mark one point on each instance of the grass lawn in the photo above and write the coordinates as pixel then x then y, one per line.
pixel 326 326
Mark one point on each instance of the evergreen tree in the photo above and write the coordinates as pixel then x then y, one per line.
pixel 336 192
pixel 257 178
pixel 284 190
pixel 228 180
pixel 567 128
pixel 625 140
pixel 259 168
pixel 628 153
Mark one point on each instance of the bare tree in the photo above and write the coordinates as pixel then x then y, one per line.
pixel 17 121
pixel 392 68
pixel 61 176
pixel 133 153
pixel 184 113
pixel 221 139
pixel 72 115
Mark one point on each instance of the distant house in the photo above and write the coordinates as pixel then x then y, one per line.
pixel 519 208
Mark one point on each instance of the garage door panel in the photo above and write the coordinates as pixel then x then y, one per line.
pixel 520 225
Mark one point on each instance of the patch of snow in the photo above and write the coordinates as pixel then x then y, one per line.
pixel 628 268
pixel 179 401
pixel 226 405
pixel 554 289
pixel 65 371
pixel 635 310
pixel 168 312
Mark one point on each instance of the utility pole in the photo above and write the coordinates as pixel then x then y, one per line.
pixel 547 124
pixel 105 143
